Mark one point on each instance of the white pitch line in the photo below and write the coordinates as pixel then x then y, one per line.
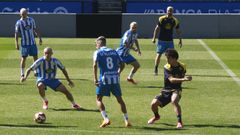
pixel 220 62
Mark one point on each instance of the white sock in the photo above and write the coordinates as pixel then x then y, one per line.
pixel 104 115
pixel 130 76
pixel 125 116
pixel 22 71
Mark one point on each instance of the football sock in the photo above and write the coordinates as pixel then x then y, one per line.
pixel 156 114
pixel 22 71
pixel 125 116
pixel 104 115
pixel 156 68
pixel 130 76
pixel 179 118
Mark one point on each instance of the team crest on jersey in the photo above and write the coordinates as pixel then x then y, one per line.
pixel 168 26
pixel 27 27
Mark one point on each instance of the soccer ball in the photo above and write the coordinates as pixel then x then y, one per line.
pixel 39 117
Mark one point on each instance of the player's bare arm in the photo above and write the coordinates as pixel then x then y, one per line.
pixel 138 48
pixel 16 41
pixel 179 80
pixel 180 38
pixel 95 68
pixel 37 32
pixel 70 83
pixel 121 67
pixel 28 71
pixel 155 33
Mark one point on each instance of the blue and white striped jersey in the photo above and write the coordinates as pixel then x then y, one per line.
pixel 26 29
pixel 108 62
pixel 46 69
pixel 129 38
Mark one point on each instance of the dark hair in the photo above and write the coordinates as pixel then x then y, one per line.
pixel 171 53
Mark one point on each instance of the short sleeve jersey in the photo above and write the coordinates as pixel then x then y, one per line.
pixel 129 38
pixel 46 69
pixel 177 72
pixel 167 24
pixel 108 62
pixel 26 29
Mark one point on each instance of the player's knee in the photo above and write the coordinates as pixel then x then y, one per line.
pixel 175 102
pixel 41 86
pixel 137 66
pixel 154 103
pixel 99 99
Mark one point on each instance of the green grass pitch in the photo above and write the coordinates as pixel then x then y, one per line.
pixel 210 103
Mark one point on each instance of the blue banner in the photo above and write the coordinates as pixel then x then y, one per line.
pixel 184 7
pixel 46 7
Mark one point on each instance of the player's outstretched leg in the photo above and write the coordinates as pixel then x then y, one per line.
pixel 69 96
pixel 134 69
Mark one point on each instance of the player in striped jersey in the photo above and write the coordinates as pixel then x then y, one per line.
pixel 46 69
pixel 110 66
pixel 26 27
pixel 128 40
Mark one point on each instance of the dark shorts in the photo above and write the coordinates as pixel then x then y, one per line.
pixel 165 96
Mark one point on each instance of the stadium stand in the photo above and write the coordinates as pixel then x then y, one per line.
pixel 109 6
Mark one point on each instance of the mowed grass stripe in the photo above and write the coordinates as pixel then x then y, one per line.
pixel 86 74
pixel 88 44
pixel 228 51
pixel 221 63
pixel 209 102
pixel 145 63
pixel 82 54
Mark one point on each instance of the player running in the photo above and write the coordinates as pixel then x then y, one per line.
pixel 128 40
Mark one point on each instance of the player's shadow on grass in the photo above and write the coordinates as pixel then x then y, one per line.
pixel 151 86
pixel 76 79
pixel 206 125
pixel 71 109
pixel 225 76
pixel 10 83
pixel 44 125
pixel 213 125
pixel 162 129
pixel 160 87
